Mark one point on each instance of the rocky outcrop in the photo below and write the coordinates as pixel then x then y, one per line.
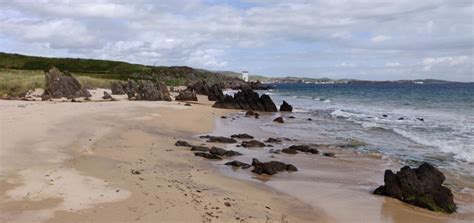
pixel 215 93
pixel 271 167
pixel 118 88
pixel 59 84
pixel 285 107
pixel 186 96
pixel 242 136
pixel 252 113
pixel 148 91
pixel 420 186
pixel 246 99
pixel 237 163
pixel 252 143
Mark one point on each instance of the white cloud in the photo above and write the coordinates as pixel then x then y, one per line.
pixel 430 62
pixel 380 38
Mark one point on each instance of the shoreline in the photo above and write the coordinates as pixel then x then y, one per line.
pixel 141 136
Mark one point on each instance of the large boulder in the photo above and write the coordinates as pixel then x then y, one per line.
pixel 285 107
pixel 252 144
pixel 148 91
pixel 215 93
pixel 271 167
pixel 186 96
pixel 420 186
pixel 247 99
pixel 118 88
pixel 59 84
pixel 237 163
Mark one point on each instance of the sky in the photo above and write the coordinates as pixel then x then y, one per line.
pixel 360 39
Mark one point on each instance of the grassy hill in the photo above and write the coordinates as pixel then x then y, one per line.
pixel 18 72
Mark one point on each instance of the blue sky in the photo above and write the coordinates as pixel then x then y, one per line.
pixel 362 39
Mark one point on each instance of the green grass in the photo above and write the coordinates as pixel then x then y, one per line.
pixel 14 82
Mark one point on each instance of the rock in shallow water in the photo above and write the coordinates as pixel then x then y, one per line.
pixel 285 107
pixel 279 120
pixel 237 163
pixel 271 167
pixel 182 143
pixel 208 156
pixel 252 143
pixel 420 186
pixel 246 99
pixel 242 136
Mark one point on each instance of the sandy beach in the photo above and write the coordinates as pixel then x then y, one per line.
pixel 115 161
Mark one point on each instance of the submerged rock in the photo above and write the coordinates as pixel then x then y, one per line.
pixel 252 143
pixel 420 186
pixel 237 163
pixel 242 136
pixel 285 107
pixel 271 167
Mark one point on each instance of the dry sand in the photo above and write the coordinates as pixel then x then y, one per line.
pixel 72 162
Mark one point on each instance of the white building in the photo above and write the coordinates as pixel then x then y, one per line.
pixel 245 76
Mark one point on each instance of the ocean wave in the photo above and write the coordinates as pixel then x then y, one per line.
pixel 461 150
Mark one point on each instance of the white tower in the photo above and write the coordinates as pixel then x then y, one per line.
pixel 245 76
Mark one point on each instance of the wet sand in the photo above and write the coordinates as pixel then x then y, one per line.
pixel 73 162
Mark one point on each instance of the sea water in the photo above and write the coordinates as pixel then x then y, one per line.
pixel 408 122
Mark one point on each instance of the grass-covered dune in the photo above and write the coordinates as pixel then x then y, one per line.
pixel 19 73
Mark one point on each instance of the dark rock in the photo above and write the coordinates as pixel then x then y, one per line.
pixel 252 143
pixel 420 119
pixel 242 136
pixel 273 140
pixel 215 93
pixel 292 117
pixel 106 95
pixel 59 84
pixel 279 120
pixel 187 104
pixel 118 88
pixel 329 154
pixel 136 172
pixel 186 96
pixel 208 156
pixel 271 167
pixel 304 148
pixel 200 148
pixel 420 186
pixel 223 117
pixel 309 119
pixel 182 143
pixel 401 118
pixel 237 163
pixel 246 99
pixel 148 91
pixel 285 107
pixel 222 152
pixel 384 116
pixel 289 151
pixel 221 139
